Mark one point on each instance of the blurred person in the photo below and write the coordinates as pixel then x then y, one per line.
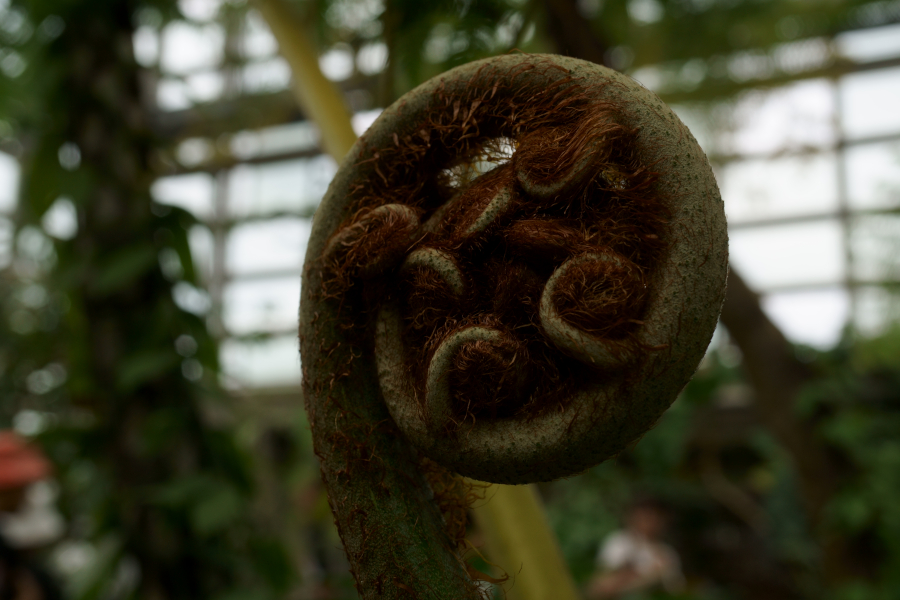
pixel 635 559
pixel 27 520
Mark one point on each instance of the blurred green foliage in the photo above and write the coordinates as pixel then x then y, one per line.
pixel 117 378
pixel 855 402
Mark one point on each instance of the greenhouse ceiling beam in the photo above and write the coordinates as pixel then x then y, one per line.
pixel 250 111
pixel 728 87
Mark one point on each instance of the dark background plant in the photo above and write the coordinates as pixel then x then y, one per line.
pixel 96 343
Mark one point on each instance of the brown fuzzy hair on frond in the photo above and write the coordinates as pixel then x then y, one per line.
pixel 454 495
pixel 602 298
pixel 575 184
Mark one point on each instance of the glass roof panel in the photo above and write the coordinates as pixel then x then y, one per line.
pixel 789 255
pixel 784 187
pixel 870 102
pixel 814 317
pixel 261 305
pixel 264 246
pixel 267 363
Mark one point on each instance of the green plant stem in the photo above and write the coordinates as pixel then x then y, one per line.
pixel 379 497
pixel 519 540
pixel 319 98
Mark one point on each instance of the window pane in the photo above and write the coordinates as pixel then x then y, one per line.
pixel 9 182
pixel 192 192
pixel 279 244
pixel 269 75
pixel 290 185
pixel 795 116
pixel 205 86
pixel 364 119
pixel 873 175
pixel 870 102
pixel 815 318
pixel 787 255
pixel 6 239
pixel 877 308
pixel 258 41
pixel 200 10
pixel 874 43
pixel 762 189
pixel 146 45
pixel 290 137
pixel 261 305
pixel 200 239
pixel 187 47
pixel 268 363
pixel 875 242
pixel 172 94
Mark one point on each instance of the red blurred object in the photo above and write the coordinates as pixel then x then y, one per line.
pixel 20 462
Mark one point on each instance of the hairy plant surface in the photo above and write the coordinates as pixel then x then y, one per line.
pixel 513 274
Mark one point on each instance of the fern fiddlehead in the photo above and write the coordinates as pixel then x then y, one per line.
pixel 513 274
